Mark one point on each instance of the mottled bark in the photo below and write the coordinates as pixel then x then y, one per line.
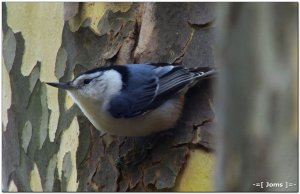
pixel 48 144
pixel 150 32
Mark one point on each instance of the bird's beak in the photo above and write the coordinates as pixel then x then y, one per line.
pixel 62 85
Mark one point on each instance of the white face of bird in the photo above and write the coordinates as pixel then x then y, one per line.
pixel 96 86
pixel 85 87
pixel 90 86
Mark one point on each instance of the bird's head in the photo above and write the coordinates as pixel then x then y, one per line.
pixel 96 84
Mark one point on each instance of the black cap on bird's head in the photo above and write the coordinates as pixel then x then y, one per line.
pixel 84 79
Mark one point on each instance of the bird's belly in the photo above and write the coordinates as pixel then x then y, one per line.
pixel 162 118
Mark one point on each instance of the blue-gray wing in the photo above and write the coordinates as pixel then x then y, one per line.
pixel 150 86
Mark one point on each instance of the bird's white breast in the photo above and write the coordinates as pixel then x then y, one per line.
pixel 162 118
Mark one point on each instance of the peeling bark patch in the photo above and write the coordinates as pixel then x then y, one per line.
pixel 69 143
pixel 34 76
pixel 107 175
pixel 122 45
pixel 10 149
pixel 23 172
pixel 6 97
pixel 147 33
pixel 67 168
pixel 112 22
pixel 124 55
pixel 60 64
pixel 35 180
pixel 164 175
pixel 70 10
pixel 68 102
pixel 66 171
pixel 12 187
pixel 94 12
pixel 51 167
pixel 26 135
pixel 53 106
pixel 43 129
pixel 9 49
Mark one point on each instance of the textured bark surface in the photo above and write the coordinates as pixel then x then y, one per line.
pixel 257 97
pixel 48 145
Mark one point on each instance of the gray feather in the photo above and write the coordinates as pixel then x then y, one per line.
pixel 150 86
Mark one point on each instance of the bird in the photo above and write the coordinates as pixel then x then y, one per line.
pixel 133 99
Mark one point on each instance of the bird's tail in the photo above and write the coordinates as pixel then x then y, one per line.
pixel 203 72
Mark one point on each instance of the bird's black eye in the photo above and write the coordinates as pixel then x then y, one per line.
pixel 86 81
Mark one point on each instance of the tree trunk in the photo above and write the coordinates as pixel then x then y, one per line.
pixel 49 145
pixel 257 97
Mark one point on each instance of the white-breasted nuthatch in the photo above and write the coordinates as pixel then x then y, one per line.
pixel 133 99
